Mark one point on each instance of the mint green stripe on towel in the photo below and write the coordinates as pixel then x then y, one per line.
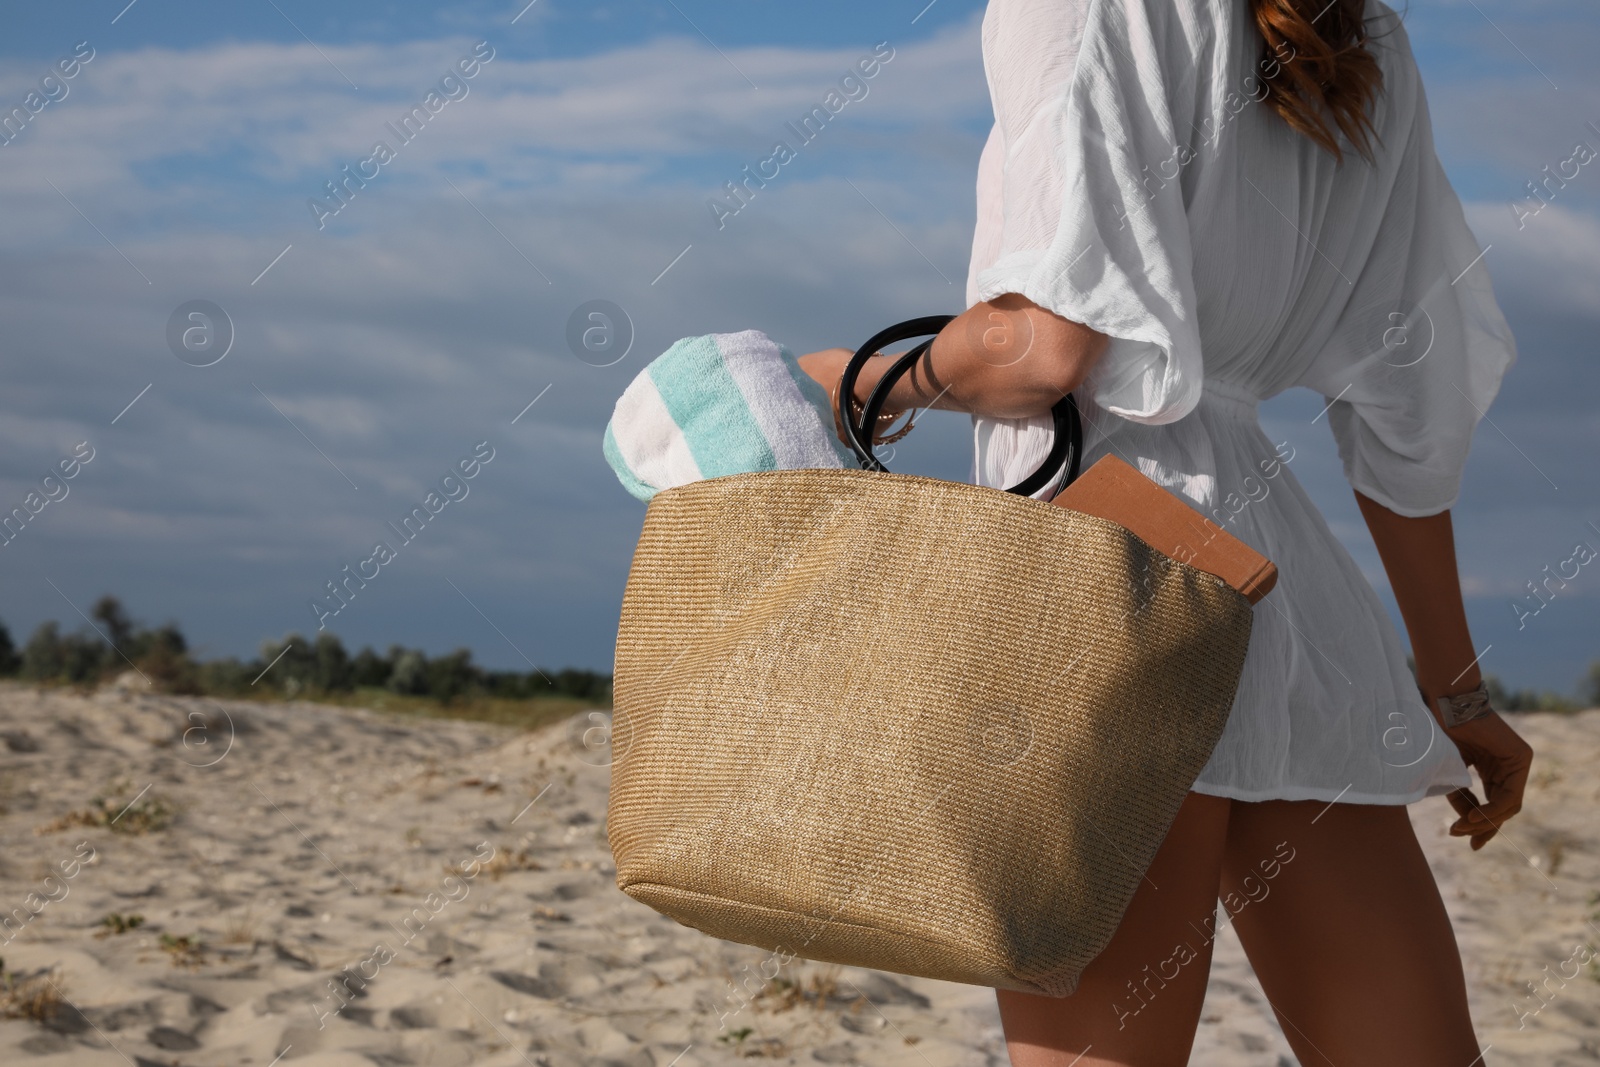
pixel 701 395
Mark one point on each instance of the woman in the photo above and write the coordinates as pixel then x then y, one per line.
pixel 1186 206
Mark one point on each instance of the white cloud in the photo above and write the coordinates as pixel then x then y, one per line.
pixel 158 128
pixel 1551 260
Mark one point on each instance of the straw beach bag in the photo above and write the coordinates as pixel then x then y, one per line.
pixel 921 726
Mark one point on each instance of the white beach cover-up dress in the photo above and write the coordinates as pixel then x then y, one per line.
pixel 1133 183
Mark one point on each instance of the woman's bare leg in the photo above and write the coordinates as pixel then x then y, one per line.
pixel 1139 1002
pixel 1349 938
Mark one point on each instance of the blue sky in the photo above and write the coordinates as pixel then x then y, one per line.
pixel 370 355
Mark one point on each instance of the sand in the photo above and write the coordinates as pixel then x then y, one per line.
pixel 458 875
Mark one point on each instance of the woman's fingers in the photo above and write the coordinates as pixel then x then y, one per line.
pixel 1466 803
pixel 1505 794
pixel 1504 784
pixel 1503 761
pixel 1471 824
pixel 1504 798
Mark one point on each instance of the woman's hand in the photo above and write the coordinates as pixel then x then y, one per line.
pixel 1419 555
pixel 826 367
pixel 1502 759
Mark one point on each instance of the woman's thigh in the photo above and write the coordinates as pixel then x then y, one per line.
pixel 1347 933
pixel 1139 1001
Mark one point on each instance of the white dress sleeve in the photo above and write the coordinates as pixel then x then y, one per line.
pixel 1422 345
pixel 1085 163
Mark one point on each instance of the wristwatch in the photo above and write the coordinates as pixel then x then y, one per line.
pixel 1461 708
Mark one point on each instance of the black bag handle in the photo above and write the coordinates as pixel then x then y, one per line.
pixel 1066 450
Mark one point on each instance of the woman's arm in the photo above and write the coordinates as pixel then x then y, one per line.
pixel 1004 358
pixel 1419 556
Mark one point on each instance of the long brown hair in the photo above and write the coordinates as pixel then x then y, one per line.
pixel 1317 67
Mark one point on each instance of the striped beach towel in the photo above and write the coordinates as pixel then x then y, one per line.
pixel 723 403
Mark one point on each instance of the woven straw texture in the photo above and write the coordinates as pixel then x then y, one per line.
pixel 907 724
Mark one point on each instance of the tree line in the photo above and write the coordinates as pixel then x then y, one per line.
pixel 94 654
pixel 289 668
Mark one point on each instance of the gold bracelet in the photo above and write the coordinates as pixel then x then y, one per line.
pixel 902 431
pixel 884 419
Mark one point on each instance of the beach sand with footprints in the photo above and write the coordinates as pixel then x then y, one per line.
pixel 193 882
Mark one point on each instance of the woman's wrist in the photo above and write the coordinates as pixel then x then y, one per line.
pixel 872 372
pixel 1445 672
pixel 827 369
pixel 1455 703
pixel 1440 685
